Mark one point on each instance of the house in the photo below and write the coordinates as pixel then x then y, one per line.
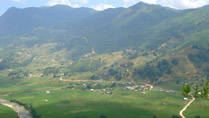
pixel 149 86
pixel 110 92
pixel 143 92
pixel 99 81
pixel 167 91
pixel 129 83
pixel 130 88
pixel 185 99
pixel 186 84
pixel 162 90
pixel 172 91
pixel 164 103
pixel 142 86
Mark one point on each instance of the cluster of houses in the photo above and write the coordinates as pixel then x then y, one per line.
pixel 102 91
pixel 126 86
pixel 107 89
pixel 167 91
pixel 141 88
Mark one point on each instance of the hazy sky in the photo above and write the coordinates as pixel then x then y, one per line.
pixel 99 4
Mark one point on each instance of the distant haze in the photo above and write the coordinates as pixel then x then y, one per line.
pixel 100 4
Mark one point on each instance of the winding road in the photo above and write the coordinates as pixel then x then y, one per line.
pixel 21 111
pixel 181 112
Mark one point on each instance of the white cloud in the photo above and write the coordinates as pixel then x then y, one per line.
pixel 62 2
pixel 75 6
pixel 55 2
pixel 178 4
pixel 101 7
pixel 20 1
pixel 135 1
pixel 183 4
pixel 82 1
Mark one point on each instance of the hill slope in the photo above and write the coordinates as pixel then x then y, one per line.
pixel 140 42
pixel 20 21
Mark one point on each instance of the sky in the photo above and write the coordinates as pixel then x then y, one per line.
pixel 100 4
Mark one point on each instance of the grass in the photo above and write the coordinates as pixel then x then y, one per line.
pixel 6 112
pixel 122 104
pixel 78 103
pixel 199 107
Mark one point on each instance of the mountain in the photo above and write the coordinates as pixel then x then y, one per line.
pixel 205 7
pixel 19 21
pixel 122 27
pixel 141 25
pixel 110 28
pixel 144 39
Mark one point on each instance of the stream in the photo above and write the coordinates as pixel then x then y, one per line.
pixel 20 110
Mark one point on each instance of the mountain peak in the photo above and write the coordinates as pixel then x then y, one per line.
pixel 142 4
pixel 205 7
pixel 12 9
pixel 61 6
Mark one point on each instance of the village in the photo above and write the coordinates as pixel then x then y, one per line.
pixel 106 88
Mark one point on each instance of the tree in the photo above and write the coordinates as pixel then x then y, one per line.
pixel 113 85
pixel 164 66
pixel 175 61
pixel 118 77
pixel 94 77
pixel 205 90
pixel 103 116
pixel 154 117
pixel 50 70
pixel 88 86
pixel 196 90
pixel 18 73
pixel 186 90
pixel 197 116
pixel 33 112
pixel 176 116
pixel 112 72
pixel 207 83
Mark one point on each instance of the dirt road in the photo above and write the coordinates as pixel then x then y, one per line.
pixel 181 112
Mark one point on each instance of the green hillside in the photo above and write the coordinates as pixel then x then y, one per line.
pixel 88 63
pixel 146 34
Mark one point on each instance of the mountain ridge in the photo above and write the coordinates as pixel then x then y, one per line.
pixel 140 31
pixel 29 18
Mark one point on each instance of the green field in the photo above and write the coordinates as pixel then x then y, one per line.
pixel 199 108
pixel 6 112
pixel 88 65
pixel 78 103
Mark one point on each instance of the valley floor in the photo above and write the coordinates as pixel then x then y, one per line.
pixel 6 112
pixel 54 99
